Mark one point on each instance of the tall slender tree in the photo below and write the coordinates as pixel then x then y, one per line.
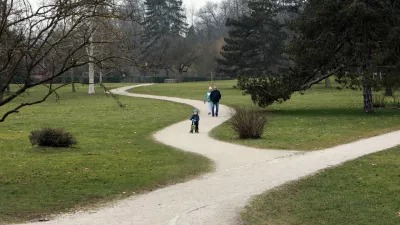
pixel 232 51
pixel 254 49
pixel 177 18
pixel 255 43
pixel 163 18
pixel 164 28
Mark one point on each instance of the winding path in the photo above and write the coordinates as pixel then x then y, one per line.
pixel 216 198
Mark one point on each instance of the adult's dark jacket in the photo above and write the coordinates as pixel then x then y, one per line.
pixel 215 96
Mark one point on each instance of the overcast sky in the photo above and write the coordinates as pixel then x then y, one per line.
pixel 188 3
pixel 198 3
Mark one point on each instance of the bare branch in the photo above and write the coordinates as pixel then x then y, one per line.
pixel 320 78
pixel 16 109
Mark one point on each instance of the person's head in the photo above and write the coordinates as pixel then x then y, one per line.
pixel 195 112
pixel 215 87
pixel 210 88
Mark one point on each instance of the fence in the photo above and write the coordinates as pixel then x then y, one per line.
pixel 119 79
pixel 170 81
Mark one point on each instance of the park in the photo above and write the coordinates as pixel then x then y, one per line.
pixel 95 105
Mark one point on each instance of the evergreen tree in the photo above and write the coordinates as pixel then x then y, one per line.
pixel 233 49
pixel 163 28
pixel 163 18
pixel 353 40
pixel 388 61
pixel 253 52
pixel 255 42
pixel 348 38
pixel 177 18
pixel 155 22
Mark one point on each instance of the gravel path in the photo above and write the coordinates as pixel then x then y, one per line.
pixel 215 198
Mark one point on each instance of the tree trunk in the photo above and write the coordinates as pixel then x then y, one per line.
pixel 72 79
pixel 328 83
pixel 180 78
pixel 368 108
pixel 237 9
pixel 389 91
pixel 91 67
pixel 101 76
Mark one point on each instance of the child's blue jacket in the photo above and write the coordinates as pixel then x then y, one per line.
pixel 195 118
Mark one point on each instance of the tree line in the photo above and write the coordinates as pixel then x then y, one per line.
pixel 284 46
pixel 40 44
pixel 273 47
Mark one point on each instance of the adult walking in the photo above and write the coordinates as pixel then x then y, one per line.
pixel 215 96
pixel 207 99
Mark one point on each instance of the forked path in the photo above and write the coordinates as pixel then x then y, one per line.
pixel 216 198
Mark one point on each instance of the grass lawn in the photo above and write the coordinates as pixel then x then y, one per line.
pixel 116 156
pixel 365 191
pixel 318 119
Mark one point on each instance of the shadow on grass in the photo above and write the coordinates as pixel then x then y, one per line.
pixel 54 150
pixel 338 112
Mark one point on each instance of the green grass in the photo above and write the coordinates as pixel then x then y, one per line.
pixel 318 119
pixel 116 156
pixel 365 191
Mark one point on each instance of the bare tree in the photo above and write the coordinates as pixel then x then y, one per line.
pixel 190 11
pixel 184 54
pixel 36 44
pixel 212 17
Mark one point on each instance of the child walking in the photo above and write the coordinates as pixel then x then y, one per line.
pixel 195 118
pixel 208 100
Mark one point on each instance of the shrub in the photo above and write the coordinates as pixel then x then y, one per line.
pixel 248 122
pixel 395 103
pixel 52 137
pixel 379 102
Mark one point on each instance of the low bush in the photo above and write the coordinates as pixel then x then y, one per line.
pixel 52 137
pixel 395 103
pixel 248 122
pixel 379 102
